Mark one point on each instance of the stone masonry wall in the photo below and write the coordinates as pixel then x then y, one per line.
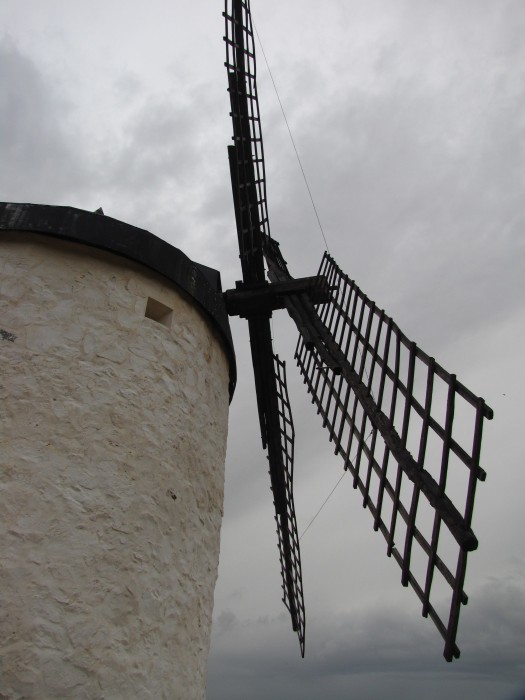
pixel 112 444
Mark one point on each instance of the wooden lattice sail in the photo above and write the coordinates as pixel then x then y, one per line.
pixel 386 405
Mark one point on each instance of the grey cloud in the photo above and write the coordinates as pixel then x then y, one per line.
pixel 496 629
pixel 378 648
pixel 224 623
pixel 39 162
pixel 155 169
pixel 423 183
pixel 157 146
pixel 127 86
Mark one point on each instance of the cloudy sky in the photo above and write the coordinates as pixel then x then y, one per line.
pixel 409 118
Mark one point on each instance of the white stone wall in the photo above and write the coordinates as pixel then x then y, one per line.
pixel 112 445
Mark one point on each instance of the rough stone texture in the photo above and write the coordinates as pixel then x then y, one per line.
pixel 112 445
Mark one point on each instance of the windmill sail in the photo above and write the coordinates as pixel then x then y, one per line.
pixel 389 409
pixel 249 194
pixel 408 432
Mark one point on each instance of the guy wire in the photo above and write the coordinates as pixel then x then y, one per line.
pixel 291 137
pixel 329 495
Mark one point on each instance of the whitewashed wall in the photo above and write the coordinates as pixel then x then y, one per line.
pixel 112 446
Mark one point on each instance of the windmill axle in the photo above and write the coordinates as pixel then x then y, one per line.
pixel 249 300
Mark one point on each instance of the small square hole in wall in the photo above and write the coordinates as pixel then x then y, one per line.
pixel 159 312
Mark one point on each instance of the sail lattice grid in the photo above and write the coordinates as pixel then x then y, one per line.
pixel 242 86
pixel 410 435
pixel 408 431
pixel 286 521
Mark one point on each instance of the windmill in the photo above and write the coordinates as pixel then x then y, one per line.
pixel 387 406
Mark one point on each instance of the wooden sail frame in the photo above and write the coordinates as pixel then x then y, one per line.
pixel 388 407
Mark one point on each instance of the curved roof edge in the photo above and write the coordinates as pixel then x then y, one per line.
pixel 202 283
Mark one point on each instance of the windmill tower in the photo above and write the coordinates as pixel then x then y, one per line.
pixel 117 369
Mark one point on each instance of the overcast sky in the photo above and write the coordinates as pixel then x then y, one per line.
pixel 409 118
